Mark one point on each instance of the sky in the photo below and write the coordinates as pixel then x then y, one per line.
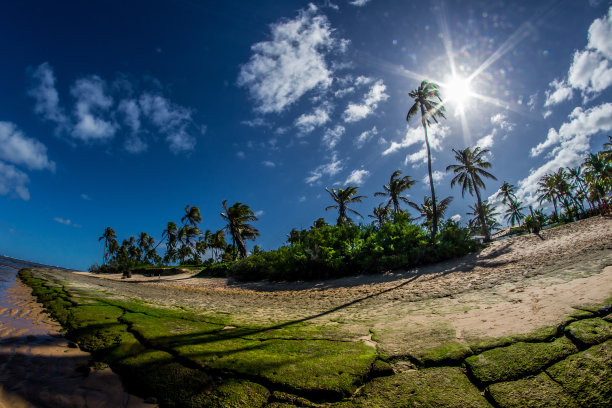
pixel 122 113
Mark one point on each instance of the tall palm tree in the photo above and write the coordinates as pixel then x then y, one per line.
pixel 514 214
pixel 472 165
pixel 192 216
pixel 547 191
pixel 109 236
pixel 343 198
pixel 485 211
pixel 425 210
pixel 397 185
pixel 507 193
pixel 380 214
pixel 144 243
pixel 578 182
pixel 238 216
pixel 430 109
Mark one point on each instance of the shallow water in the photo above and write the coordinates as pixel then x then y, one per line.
pixel 37 366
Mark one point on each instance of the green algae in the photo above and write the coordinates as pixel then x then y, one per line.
pixel 590 331
pixel 517 360
pixel 534 392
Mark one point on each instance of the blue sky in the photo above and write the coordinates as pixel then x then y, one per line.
pixel 115 114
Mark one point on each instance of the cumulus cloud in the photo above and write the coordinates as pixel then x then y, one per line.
pixel 91 110
pixel 96 116
pixel 13 181
pixel 572 143
pixel 359 3
pixel 560 91
pixel 307 122
pixel 170 119
pixel 437 177
pixel 45 94
pixel 291 63
pixel 330 169
pixel 486 142
pixel 364 137
pixel 414 135
pixel 358 111
pixel 331 137
pixel 456 217
pixel 19 149
pixel 357 177
pixel 501 124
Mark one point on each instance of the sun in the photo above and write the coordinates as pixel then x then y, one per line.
pixel 458 91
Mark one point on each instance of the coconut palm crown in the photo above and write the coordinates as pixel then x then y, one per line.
pixel 425 103
pixel 342 198
pixel 397 185
pixel 238 217
pixel 468 172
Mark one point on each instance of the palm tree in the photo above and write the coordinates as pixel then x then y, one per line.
pixel 430 110
pixel 426 211
pixel 607 152
pixel 343 198
pixel 506 192
pixel 578 182
pixel 192 216
pixel 548 191
pixel 397 185
pixel 486 211
pixel 472 165
pixel 144 243
pixel 380 214
pixel 514 212
pixel 109 236
pixel 238 216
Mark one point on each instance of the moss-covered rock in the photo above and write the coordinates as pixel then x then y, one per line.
pixel 540 335
pixel 447 353
pixel 587 376
pixel 443 387
pixel 517 360
pixel 533 392
pixel 589 332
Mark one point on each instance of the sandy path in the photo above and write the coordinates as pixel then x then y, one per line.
pixel 513 286
pixel 38 369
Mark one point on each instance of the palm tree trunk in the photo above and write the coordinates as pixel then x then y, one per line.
pixel 485 229
pixel 434 227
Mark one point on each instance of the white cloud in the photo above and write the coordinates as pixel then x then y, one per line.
pixel 560 92
pixel 600 35
pixel 257 122
pixel 364 137
pixel 546 114
pixel 330 169
pixel 414 135
pixel 240 155
pixel 331 137
pixel 13 180
pixel 281 70
pixel 359 3
pixel 456 217
pixel 16 148
pixel 91 107
pixel 259 213
pixel 85 197
pixel 307 122
pixel 301 199
pixel 486 142
pixel 357 177
pixel 171 119
pixel 268 163
pixel 572 143
pixel 501 120
pixel 46 95
pixel 62 221
pixel 437 177
pixel 131 114
pixel 355 112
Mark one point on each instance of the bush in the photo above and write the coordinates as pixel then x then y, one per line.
pixel 335 251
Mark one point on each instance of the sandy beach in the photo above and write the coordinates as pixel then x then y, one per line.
pixel 40 368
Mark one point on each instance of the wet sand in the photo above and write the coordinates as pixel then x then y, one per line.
pixel 38 368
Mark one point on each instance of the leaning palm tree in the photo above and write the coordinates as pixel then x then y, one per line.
pixel 380 214
pixel 397 185
pixel 429 109
pixel 343 198
pixel 472 165
pixel 514 214
pixel 547 191
pixel 109 236
pixel 238 216
pixel 192 216
pixel 425 210
pixel 485 211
